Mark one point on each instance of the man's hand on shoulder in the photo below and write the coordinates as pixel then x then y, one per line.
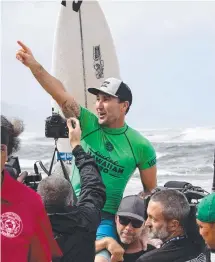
pixel 115 249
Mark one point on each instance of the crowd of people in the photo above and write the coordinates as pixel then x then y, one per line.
pixel 48 225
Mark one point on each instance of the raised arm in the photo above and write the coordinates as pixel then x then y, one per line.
pixel 53 86
pixel 92 187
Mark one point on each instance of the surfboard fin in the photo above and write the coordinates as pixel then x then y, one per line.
pixel 63 3
pixel 76 5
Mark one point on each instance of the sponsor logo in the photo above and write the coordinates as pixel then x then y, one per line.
pixel 64 156
pixel 152 162
pixel 107 165
pixel 11 225
pixel 105 84
pixel 109 146
pixel 98 63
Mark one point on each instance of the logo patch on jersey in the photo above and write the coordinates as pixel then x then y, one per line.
pixel 11 225
pixel 109 146
pixel 152 162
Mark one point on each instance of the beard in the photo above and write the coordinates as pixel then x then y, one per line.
pixel 127 238
pixel 161 233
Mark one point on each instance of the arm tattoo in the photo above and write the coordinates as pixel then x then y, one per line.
pixel 71 109
pixel 37 70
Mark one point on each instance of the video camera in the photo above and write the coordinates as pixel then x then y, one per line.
pixel 31 180
pixel 56 127
pixel 192 193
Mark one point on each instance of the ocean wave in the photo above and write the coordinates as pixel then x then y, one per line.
pixel 32 138
pixel 188 135
pixel 198 134
pixel 29 163
pixel 160 155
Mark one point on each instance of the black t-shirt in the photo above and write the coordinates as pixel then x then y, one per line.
pixel 132 257
pixel 182 250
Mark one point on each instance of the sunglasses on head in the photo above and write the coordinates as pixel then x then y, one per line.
pixel 134 222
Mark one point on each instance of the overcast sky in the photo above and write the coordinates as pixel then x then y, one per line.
pixel 166 52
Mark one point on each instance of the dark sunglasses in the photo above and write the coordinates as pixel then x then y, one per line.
pixel 134 222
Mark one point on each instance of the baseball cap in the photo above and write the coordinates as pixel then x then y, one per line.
pixel 206 209
pixel 114 87
pixel 132 206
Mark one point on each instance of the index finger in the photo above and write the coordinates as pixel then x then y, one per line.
pixel 23 45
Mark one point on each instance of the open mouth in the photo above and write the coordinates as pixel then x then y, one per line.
pixel 102 115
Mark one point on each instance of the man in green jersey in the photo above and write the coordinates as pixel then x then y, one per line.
pixel 117 148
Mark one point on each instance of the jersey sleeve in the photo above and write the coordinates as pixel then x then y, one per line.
pixel 88 121
pixel 147 155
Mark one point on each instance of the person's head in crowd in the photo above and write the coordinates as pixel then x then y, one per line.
pixel 55 191
pixel 168 212
pixel 10 143
pixel 130 219
pixel 205 218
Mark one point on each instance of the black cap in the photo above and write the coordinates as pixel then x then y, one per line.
pixel 132 206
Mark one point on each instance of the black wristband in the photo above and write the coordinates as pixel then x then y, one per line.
pixel 77 150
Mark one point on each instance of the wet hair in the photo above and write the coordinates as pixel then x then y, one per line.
pixel 10 132
pixel 175 205
pixel 55 191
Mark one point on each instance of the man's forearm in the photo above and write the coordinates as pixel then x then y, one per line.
pixel 55 88
pixel 52 85
pixel 100 244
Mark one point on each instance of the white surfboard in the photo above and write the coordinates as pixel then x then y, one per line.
pixel 83 54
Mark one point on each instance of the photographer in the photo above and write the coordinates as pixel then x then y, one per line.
pixel 26 233
pixel 75 226
pixel 168 214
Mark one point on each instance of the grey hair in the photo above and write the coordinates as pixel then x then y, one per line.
pixel 55 191
pixel 175 205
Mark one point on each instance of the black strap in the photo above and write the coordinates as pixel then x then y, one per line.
pixel 50 169
pixel 53 157
pixel 174 239
pixel 63 166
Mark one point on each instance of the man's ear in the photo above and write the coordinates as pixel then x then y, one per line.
pixel 125 105
pixel 173 225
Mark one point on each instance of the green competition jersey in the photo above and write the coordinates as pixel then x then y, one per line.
pixel 117 151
